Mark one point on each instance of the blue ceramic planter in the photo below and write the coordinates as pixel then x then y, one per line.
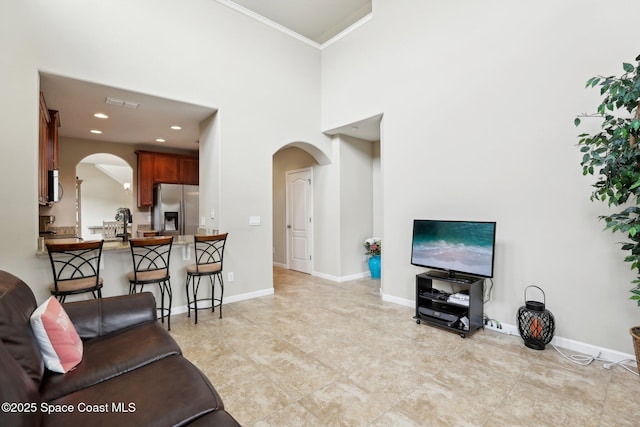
pixel 374 266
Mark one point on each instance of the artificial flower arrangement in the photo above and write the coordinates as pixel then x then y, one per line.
pixel 373 245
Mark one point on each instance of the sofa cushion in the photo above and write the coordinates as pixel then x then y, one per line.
pixel 220 418
pixel 16 305
pixel 102 316
pixel 111 355
pixel 17 388
pixel 59 342
pixel 171 391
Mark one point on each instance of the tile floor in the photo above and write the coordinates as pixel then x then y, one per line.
pixel 320 353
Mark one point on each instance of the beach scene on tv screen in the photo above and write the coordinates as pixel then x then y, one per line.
pixel 459 246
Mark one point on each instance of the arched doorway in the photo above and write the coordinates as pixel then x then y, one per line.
pixel 347 204
pixel 285 160
pixel 103 184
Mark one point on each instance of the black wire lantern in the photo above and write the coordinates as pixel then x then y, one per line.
pixel 536 324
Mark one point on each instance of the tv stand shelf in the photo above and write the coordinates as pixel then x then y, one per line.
pixel 435 308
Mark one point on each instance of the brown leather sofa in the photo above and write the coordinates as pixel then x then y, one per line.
pixel 132 371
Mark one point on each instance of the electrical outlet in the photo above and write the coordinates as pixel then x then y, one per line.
pixel 230 277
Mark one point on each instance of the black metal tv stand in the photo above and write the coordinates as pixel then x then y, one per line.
pixel 437 307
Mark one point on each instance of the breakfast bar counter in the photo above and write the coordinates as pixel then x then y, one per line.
pixel 109 245
pixel 116 263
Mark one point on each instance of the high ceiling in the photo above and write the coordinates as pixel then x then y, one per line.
pixel 317 20
pixel 141 119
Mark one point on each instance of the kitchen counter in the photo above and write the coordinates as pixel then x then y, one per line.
pixel 116 264
pixel 112 245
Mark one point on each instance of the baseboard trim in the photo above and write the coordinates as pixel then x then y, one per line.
pixel 234 298
pixel 561 342
pixel 340 279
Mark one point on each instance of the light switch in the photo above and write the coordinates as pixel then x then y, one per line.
pixel 254 220
pixel 203 221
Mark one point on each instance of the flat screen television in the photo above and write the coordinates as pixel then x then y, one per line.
pixel 456 247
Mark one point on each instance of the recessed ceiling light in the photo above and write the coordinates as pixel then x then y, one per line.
pixel 160 140
pixel 97 132
pixel 101 115
pixel 176 127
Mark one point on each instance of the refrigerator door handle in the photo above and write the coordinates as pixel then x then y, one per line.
pixel 182 212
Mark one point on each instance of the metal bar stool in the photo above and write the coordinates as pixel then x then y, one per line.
pixel 209 251
pixel 76 268
pixel 151 256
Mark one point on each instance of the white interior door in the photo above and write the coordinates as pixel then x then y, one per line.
pixel 299 220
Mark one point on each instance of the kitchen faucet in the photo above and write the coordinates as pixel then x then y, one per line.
pixel 124 215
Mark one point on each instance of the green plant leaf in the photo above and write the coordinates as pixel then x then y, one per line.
pixel 576 121
pixel 635 185
pixel 627 67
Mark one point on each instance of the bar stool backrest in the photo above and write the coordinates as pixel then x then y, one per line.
pixel 74 261
pixel 209 251
pixel 151 254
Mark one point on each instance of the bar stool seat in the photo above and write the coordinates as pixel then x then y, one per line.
pixel 194 269
pixel 151 260
pixel 75 286
pixel 209 252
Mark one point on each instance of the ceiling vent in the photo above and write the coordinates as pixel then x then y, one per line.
pixel 121 102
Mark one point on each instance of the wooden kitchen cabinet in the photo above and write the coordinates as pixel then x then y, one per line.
pixel 189 170
pixel 166 168
pixel 163 168
pixel 49 122
pixel 145 178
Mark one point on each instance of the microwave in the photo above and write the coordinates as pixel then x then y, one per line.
pixel 54 195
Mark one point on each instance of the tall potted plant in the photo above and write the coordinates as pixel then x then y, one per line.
pixel 613 156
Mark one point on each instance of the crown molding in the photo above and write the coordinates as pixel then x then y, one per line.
pixel 291 33
pixel 360 22
pixel 268 22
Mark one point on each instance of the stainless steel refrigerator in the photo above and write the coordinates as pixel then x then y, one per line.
pixel 175 209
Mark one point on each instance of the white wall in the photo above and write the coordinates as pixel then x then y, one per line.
pixel 378 197
pixel 478 101
pixel 345 205
pixel 356 202
pixel 265 85
pixel 326 211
